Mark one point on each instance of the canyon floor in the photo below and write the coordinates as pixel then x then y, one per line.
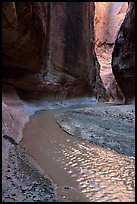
pixel 109 126
pixel 42 162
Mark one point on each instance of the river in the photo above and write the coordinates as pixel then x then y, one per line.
pixel 81 171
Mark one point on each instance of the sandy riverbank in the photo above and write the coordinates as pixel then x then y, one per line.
pixel 111 126
pixel 21 175
pixel 83 171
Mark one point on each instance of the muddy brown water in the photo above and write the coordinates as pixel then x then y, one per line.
pixel 81 171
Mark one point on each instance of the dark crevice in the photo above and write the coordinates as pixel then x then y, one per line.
pixel 73 36
pixel 10 139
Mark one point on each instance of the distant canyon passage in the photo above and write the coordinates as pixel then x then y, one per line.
pixel 53 47
pixel 64 55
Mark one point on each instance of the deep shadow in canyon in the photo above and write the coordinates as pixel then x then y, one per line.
pixel 58 55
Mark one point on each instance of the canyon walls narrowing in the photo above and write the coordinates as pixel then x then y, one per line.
pixel 107 21
pixel 123 57
pixel 49 46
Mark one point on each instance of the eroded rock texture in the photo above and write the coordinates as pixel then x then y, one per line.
pixel 117 14
pixel 101 21
pixel 123 57
pixel 50 46
pixel 22 178
pixel 108 19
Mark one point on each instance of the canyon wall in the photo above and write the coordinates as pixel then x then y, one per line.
pixel 101 21
pixel 46 47
pixel 123 57
pixel 117 14
pixel 108 19
pixel 49 46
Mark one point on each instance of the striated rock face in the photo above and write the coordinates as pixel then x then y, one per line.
pixel 123 57
pixel 108 19
pixel 101 21
pixel 50 46
pixel 117 14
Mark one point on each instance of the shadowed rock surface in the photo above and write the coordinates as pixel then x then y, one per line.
pixel 123 57
pixel 50 46
pixel 22 178
pixel 48 56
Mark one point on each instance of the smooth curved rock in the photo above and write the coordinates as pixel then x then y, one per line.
pixel 50 46
pixel 123 56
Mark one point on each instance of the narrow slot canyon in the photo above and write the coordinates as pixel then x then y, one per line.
pixel 68 102
pixel 107 21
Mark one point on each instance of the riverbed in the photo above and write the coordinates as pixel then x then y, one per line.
pixel 80 170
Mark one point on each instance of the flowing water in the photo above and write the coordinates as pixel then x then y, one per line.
pixel 81 171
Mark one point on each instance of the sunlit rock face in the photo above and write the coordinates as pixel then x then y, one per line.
pixel 108 19
pixel 117 14
pixel 101 21
pixel 123 57
pixel 50 47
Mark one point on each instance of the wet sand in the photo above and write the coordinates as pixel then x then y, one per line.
pixel 108 126
pixel 81 171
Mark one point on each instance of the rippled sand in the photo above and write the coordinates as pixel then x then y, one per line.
pixel 80 170
pixel 107 126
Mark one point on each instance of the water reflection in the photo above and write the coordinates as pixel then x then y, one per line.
pixel 102 175
pixel 82 171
